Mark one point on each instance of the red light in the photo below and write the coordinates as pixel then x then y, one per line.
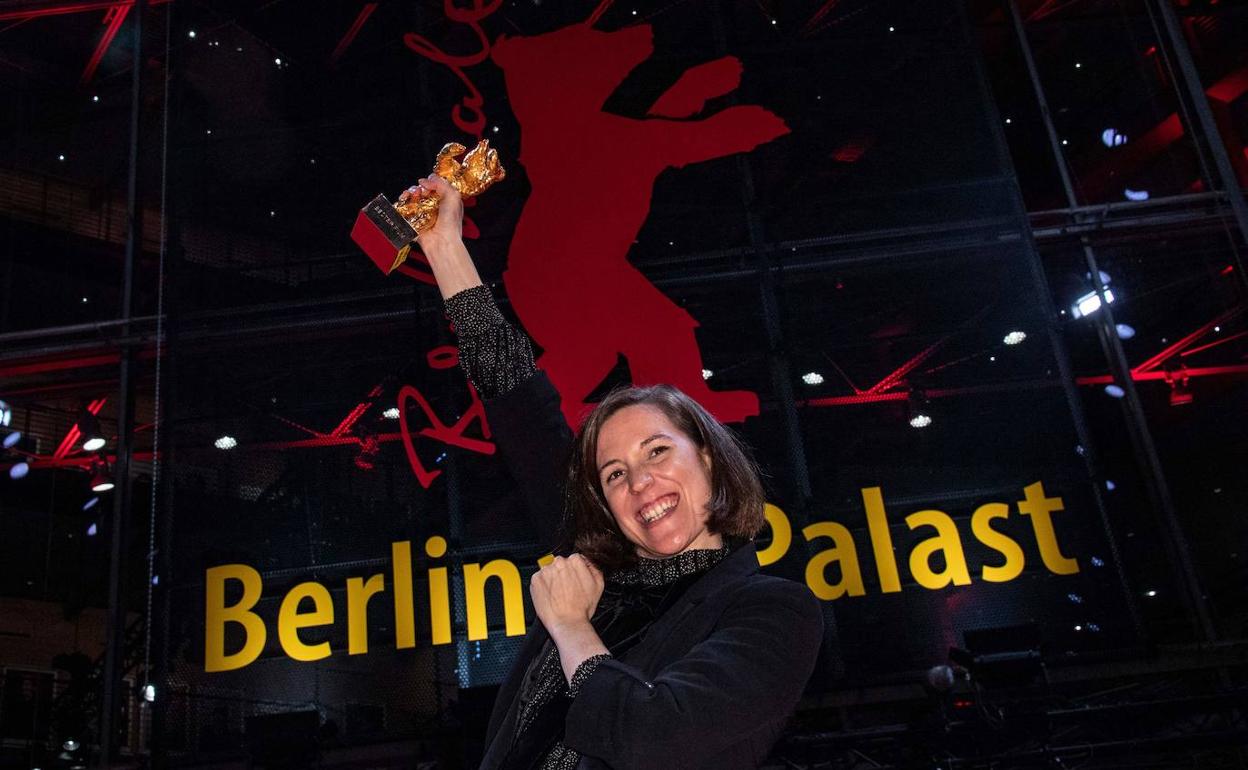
pixel 963 703
pixel 1227 270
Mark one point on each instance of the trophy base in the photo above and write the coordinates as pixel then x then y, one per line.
pixel 383 234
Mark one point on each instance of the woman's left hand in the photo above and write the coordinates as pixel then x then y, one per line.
pixel 565 592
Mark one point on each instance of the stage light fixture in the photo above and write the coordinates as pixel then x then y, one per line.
pixel 1125 331
pixel 391 414
pixel 93 530
pixel 95 98
pixel 1090 303
pixel 1180 392
pixel 1111 138
pixel 1115 391
pixel 60 157
pixel 1150 593
pixel 89 426
pixel 101 480
pixel 812 378
pixel 1135 195
pixel 1110 485
pixel 707 374
pixel 1098 561
pixel 88 505
pixel 6 414
pixel 278 61
pixel 149 693
pixel 11 440
pixel 919 414
pixel 19 471
pixel 1014 337
pixel 225 442
pixel 191 34
pixel 70 745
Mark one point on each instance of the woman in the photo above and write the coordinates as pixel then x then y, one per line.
pixel 659 644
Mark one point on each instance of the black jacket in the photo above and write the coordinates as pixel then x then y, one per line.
pixel 716 677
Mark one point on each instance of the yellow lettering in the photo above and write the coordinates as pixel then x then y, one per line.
pixel 946 540
pixel 781 536
pixel 981 525
pixel 290 620
pixel 439 594
pixel 404 605
pixel 215 658
pixel 881 540
pixel 844 552
pixel 1040 508
pixel 358 594
pixel 474 595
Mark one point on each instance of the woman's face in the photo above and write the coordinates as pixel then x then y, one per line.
pixel 656 481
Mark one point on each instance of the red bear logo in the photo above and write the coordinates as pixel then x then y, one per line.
pixel 592 175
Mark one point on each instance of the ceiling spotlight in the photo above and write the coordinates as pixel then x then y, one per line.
pixel 19 471
pixel 89 426
pixel 60 157
pixel 88 505
pixel 920 414
pixel 1150 593
pixel 149 693
pixel 225 442
pixel 1125 332
pixel 93 530
pixel 11 440
pixel 707 374
pixel 391 414
pixel 101 480
pixel 1135 195
pixel 6 414
pixel 1015 337
pixel 95 98
pixel 1090 303
pixel 70 745
pixel 1110 485
pixel 1115 390
pixel 1111 138
pixel 191 34
pixel 278 61
pixel 812 378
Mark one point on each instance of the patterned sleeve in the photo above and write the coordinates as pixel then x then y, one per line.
pixel 494 355
pixel 584 672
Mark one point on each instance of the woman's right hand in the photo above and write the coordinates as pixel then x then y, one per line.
pixel 449 227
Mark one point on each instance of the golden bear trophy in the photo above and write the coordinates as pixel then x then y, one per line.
pixel 385 231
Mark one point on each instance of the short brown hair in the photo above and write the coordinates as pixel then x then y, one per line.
pixel 736 504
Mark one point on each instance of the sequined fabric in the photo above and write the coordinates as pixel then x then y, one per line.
pixel 494 355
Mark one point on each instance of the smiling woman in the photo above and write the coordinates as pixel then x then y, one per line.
pixel 653 463
pixel 658 643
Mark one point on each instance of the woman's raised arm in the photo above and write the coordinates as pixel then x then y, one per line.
pixel 521 405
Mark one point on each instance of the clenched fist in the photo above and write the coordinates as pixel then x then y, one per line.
pixel 565 592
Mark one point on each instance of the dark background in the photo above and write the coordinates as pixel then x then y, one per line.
pixel 912 218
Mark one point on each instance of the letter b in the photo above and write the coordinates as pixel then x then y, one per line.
pixel 217 615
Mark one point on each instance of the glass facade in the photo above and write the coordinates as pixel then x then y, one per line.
pixel 980 264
